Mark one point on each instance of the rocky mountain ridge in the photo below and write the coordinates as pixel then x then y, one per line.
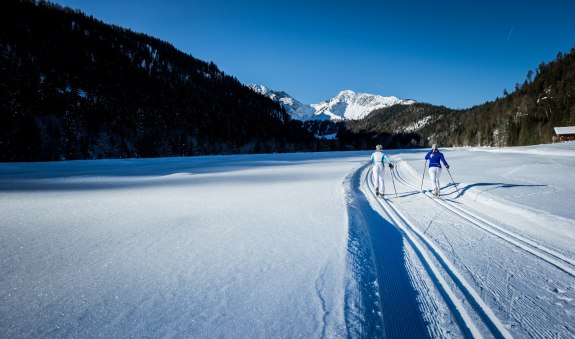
pixel 346 105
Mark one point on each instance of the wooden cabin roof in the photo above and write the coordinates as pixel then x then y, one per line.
pixel 565 130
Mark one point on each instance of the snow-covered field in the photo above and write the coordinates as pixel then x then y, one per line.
pixel 290 245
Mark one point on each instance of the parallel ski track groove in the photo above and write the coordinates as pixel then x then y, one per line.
pixel 420 244
pixel 551 256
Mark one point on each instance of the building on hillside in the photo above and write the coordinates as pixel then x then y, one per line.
pixel 564 134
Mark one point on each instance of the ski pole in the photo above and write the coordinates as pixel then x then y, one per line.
pixel 424 166
pixel 457 188
pixel 393 181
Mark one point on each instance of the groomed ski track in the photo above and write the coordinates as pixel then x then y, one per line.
pixel 436 265
pixel 481 305
pixel 544 253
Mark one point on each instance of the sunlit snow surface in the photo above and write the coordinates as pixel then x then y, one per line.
pixel 283 245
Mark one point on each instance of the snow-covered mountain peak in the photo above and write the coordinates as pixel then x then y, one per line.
pixel 293 107
pixel 353 106
pixel 346 105
pixel 259 88
pixel 275 95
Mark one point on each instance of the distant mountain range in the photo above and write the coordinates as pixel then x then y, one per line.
pixel 347 105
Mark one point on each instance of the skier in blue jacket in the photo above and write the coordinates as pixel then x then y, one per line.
pixel 378 160
pixel 435 158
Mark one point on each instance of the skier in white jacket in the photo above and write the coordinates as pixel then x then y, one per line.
pixel 378 160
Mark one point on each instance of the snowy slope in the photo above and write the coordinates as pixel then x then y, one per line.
pixel 346 105
pixel 290 245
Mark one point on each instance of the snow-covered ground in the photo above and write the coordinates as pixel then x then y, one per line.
pixel 504 250
pixel 290 245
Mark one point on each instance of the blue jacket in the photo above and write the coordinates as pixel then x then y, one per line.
pixel 435 158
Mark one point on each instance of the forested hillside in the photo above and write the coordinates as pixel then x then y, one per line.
pixel 72 87
pixel 546 99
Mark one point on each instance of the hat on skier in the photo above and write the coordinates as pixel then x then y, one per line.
pixel 378 147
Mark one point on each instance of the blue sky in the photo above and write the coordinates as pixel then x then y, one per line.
pixel 452 53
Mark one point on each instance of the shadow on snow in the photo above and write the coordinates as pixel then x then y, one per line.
pixel 492 186
pixel 388 305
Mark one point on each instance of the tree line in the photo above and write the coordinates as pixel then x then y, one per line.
pixel 72 87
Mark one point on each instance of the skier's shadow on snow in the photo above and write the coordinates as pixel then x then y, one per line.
pixel 450 196
pixel 405 194
pixel 491 186
pixel 463 189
